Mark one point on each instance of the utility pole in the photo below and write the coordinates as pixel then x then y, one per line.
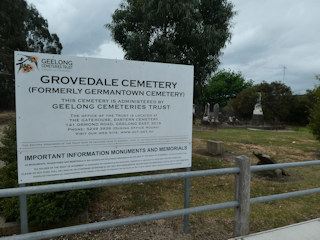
pixel 284 72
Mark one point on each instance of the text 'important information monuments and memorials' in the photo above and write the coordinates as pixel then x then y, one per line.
pixel 84 117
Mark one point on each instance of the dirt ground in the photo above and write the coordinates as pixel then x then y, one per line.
pixel 156 230
pixel 163 229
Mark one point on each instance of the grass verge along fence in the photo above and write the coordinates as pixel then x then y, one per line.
pixel 241 204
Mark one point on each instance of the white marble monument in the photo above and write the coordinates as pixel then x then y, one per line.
pixel 257 116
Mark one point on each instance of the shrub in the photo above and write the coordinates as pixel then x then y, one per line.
pixel 276 99
pixel 314 124
pixel 43 209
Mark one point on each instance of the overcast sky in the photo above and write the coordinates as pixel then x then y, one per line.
pixel 274 40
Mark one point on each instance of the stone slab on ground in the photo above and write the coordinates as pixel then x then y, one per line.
pixel 215 147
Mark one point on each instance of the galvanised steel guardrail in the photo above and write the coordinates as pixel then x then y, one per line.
pixel 241 204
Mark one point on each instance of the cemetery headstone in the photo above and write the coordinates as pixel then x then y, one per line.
pixel 257 116
pixel 206 116
pixel 216 112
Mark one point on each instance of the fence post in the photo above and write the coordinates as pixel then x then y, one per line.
pixel 242 195
pixel 186 226
pixel 23 212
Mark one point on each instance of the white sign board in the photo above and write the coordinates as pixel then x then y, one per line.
pixel 82 117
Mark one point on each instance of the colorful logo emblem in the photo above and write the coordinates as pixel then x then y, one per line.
pixel 27 63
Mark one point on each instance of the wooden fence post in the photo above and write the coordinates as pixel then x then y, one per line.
pixel 242 195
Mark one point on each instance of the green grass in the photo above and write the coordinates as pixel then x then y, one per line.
pixel 300 145
pixel 299 128
pixel 301 139
pixel 205 162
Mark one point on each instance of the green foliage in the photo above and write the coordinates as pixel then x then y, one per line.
pixel 8 150
pixel 44 209
pixel 8 154
pixel 22 28
pixel 243 104
pixel 277 98
pixel 314 124
pixel 54 208
pixel 174 31
pixel 299 109
pixel 225 85
pixel 276 101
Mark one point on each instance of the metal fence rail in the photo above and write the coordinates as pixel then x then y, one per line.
pixel 113 182
pixel 10 192
pixel 242 197
pixel 266 167
pixel 119 222
pixel 284 195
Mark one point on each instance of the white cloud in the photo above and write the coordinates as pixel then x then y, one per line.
pixel 266 36
pixel 79 24
pixel 108 50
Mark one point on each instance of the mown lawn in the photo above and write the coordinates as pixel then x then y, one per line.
pixel 292 146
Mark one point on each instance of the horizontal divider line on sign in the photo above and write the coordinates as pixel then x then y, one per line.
pixel 114 139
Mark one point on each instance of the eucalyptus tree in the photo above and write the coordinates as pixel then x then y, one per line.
pixel 21 28
pixel 189 32
pixel 225 85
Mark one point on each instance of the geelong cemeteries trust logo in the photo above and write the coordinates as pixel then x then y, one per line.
pixel 27 63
